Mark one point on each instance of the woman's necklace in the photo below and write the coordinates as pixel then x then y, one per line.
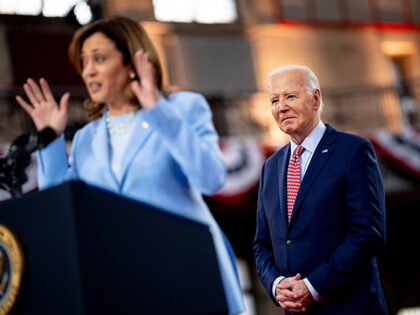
pixel 120 128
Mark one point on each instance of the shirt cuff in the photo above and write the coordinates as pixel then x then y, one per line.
pixel 317 297
pixel 276 282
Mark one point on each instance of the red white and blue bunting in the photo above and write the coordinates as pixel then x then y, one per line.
pixel 401 150
pixel 244 157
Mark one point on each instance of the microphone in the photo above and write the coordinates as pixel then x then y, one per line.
pixel 28 143
pixel 18 157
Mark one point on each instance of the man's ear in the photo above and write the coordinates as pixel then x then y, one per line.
pixel 317 98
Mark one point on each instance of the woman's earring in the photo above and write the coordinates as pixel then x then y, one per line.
pixel 132 75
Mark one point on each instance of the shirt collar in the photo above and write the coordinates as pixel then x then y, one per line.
pixel 311 141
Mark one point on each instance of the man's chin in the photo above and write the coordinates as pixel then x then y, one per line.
pixel 287 128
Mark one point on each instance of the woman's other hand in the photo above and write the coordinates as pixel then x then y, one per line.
pixel 43 109
pixel 146 90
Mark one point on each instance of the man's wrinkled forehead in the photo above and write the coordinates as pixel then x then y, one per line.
pixel 285 80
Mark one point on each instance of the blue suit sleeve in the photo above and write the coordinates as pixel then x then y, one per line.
pixel 263 251
pixel 365 210
pixel 53 166
pixel 186 128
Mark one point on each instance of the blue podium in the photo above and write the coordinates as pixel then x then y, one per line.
pixel 88 251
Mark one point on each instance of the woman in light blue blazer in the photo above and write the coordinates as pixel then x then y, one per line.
pixel 161 149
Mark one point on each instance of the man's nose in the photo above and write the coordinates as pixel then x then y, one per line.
pixel 283 105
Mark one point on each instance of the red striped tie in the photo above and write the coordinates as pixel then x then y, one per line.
pixel 293 180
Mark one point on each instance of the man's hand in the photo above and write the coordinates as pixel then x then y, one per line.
pixel 293 294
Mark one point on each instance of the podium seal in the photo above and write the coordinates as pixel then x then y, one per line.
pixel 11 268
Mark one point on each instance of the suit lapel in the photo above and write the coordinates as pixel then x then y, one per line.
pixel 140 134
pixel 321 155
pixel 283 164
pixel 100 143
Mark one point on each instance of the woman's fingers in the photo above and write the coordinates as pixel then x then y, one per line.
pixel 138 57
pixel 135 87
pixel 38 94
pixel 28 108
pixel 35 94
pixel 144 69
pixel 28 91
pixel 43 109
pixel 64 101
pixel 146 90
pixel 36 91
pixel 46 90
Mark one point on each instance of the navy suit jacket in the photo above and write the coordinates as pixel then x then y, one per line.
pixel 337 226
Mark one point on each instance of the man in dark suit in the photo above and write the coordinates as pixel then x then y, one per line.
pixel 321 210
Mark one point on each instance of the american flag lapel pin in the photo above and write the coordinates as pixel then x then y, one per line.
pixel 325 151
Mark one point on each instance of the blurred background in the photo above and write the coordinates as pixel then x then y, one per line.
pixel 366 54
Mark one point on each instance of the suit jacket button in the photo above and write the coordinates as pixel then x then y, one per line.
pixel 289 242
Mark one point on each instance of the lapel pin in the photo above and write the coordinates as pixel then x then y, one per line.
pixel 145 125
pixel 325 151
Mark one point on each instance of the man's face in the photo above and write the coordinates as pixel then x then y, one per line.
pixel 293 107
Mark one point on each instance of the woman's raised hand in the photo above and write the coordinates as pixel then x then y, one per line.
pixel 43 109
pixel 146 90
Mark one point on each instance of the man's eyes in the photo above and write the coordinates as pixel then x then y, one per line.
pixel 274 101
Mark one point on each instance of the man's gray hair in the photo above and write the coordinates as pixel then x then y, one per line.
pixel 311 81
